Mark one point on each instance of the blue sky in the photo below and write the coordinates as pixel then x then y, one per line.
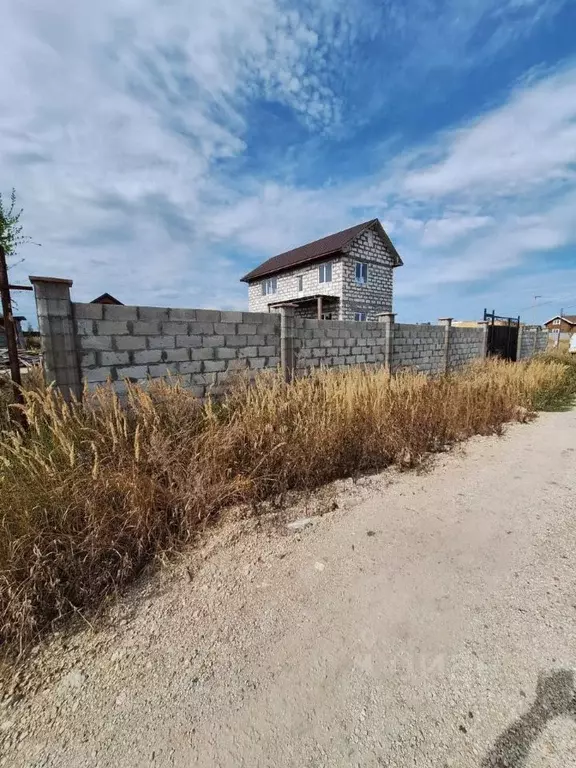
pixel 162 148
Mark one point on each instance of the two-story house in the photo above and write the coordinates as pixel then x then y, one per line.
pixel 345 276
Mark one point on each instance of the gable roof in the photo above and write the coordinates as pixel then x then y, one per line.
pixel 318 249
pixel 107 298
pixel 568 318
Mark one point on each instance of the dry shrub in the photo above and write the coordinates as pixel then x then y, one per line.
pixel 93 490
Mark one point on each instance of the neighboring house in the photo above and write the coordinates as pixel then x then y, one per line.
pixel 345 276
pixel 561 326
pixel 107 298
pixel 19 335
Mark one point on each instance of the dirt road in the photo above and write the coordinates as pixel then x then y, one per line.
pixel 429 620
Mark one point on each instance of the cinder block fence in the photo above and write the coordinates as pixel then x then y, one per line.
pixel 92 343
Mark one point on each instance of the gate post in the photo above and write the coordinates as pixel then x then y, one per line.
pixel 58 334
pixel 388 318
pixel 287 342
pixel 447 323
pixel 519 343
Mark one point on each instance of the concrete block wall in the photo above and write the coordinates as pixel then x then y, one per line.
pixel 201 346
pixel 533 341
pixel 335 343
pixel 466 345
pixel 419 346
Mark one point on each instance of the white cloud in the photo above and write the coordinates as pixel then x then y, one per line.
pixel 124 125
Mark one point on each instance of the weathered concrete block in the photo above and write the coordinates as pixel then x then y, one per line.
pixel 132 372
pixel 114 358
pixel 85 327
pixel 87 311
pixel 176 355
pixel 146 328
pixel 160 370
pixel 237 365
pixel 96 375
pixel 129 342
pixel 273 362
pixel 202 328
pixel 226 353
pixel 257 362
pixel 115 312
pixel 213 341
pixel 202 353
pixel 194 366
pixel 213 366
pixel 182 314
pixel 188 341
pixel 248 328
pixel 266 351
pixel 95 342
pixel 153 313
pixel 231 317
pixel 112 327
pixel 175 328
pixel 147 356
pixel 236 341
pixel 247 352
pixel 161 342
pixel 88 360
pixel 208 315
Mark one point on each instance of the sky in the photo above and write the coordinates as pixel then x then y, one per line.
pixel 162 148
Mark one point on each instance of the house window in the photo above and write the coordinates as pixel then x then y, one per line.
pixel 326 315
pixel 556 321
pixel 555 330
pixel 361 271
pixel 300 284
pixel 325 273
pixel 269 286
pixel 360 316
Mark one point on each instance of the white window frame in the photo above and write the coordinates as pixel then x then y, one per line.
pixel 360 280
pixel 325 272
pixel 269 286
pixel 328 315
pixel 555 330
pixel 556 321
pixel 300 283
pixel 360 317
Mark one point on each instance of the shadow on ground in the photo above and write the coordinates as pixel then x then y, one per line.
pixel 555 697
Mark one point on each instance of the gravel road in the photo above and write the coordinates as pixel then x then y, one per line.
pixel 427 619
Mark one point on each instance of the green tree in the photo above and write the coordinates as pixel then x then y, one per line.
pixel 11 236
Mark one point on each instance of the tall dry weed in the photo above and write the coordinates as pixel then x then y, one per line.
pixel 92 491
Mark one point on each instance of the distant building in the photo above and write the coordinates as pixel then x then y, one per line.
pixel 344 276
pixel 19 335
pixel 561 326
pixel 107 298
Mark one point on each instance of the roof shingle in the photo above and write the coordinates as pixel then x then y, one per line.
pixel 318 249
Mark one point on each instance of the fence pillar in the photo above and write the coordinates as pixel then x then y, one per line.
pixel 447 323
pixel 519 342
pixel 287 330
pixel 388 318
pixel 58 334
pixel 484 353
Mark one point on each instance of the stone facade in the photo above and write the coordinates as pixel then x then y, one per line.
pixel 336 343
pixel 371 298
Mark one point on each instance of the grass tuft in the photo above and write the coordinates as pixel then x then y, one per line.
pixel 92 491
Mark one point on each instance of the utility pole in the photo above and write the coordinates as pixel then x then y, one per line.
pixel 10 327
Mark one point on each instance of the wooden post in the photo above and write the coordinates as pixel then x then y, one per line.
pixel 10 329
pixel 319 307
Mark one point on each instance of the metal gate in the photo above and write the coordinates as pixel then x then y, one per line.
pixel 502 335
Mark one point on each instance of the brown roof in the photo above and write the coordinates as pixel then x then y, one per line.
pixel 318 249
pixel 569 318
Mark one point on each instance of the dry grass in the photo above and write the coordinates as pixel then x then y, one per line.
pixel 92 492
